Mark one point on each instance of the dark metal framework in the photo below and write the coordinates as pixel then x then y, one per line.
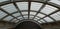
pixel 29 6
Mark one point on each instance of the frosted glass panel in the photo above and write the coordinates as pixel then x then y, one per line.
pixel 33 13
pixel 9 8
pixel 48 19
pixel 56 16
pixel 19 17
pixel 13 20
pixel 16 14
pixel 41 15
pixel 39 22
pixel 22 5
pixel 16 21
pixel 2 14
pixel 37 17
pixel 24 13
pixel 42 21
pixel 8 18
pixel 48 9
pixel 3 0
pixel 35 6
pixel 26 16
pixel 55 1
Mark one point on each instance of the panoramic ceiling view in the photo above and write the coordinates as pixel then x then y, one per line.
pixel 42 11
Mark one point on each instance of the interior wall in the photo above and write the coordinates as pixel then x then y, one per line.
pixel 51 26
pixel 5 25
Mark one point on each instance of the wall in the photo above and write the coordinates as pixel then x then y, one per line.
pixel 5 25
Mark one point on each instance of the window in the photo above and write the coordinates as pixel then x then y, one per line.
pixel 22 5
pixel 16 14
pixel 8 18
pixel 56 16
pixel 33 13
pixel 3 0
pixel 35 6
pixel 2 14
pixel 41 15
pixel 55 1
pixel 48 9
pixel 48 19
pixel 10 8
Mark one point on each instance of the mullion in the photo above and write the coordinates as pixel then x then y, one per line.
pixel 18 9
pixel 7 13
pixel 29 5
pixel 39 10
pixel 51 14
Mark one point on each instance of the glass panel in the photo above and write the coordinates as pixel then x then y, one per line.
pixel 3 0
pixel 26 17
pixel 16 14
pixel 35 6
pixel 56 16
pixel 22 5
pixel 48 9
pixel 9 8
pixel 24 13
pixel 13 20
pixel 19 17
pixel 31 17
pixel 2 14
pixel 42 21
pixel 37 17
pixel 8 18
pixel 48 19
pixel 55 1
pixel 39 21
pixel 16 21
pixel 41 15
pixel 33 13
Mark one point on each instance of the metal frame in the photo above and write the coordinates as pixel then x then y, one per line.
pixel 29 4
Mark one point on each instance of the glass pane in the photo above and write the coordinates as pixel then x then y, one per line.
pixel 2 14
pixel 42 21
pixel 22 5
pixel 9 8
pixel 19 17
pixel 48 9
pixel 37 17
pixel 55 1
pixel 39 21
pixel 35 6
pixel 13 20
pixel 8 18
pixel 16 21
pixel 48 19
pixel 16 14
pixel 41 15
pixel 26 17
pixel 3 0
pixel 33 13
pixel 24 13
pixel 56 16
pixel 31 17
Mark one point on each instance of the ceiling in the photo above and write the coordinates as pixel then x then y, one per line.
pixel 43 11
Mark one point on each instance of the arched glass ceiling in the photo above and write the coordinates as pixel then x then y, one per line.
pixel 41 11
